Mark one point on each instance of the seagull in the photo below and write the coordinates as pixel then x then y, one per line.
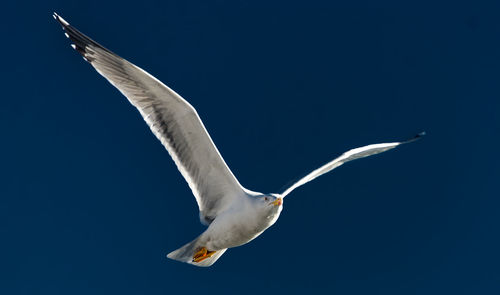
pixel 234 215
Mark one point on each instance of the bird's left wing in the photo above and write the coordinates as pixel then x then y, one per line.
pixel 172 119
pixel 350 155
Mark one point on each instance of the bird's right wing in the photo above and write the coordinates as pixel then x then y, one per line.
pixel 172 119
pixel 350 155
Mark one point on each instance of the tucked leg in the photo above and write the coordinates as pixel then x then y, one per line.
pixel 202 254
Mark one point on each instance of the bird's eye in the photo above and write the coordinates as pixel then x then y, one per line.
pixel 265 198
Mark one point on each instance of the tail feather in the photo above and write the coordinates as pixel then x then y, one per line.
pixel 186 253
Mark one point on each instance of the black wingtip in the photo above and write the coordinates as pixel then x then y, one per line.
pixel 60 20
pixel 80 40
pixel 416 137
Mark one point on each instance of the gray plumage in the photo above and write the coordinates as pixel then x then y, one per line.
pixel 234 215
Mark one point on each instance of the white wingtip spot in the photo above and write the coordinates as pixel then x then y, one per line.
pixel 73 46
pixel 56 16
pixel 85 59
pixel 66 34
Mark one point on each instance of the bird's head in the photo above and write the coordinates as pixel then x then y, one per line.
pixel 272 200
pixel 272 203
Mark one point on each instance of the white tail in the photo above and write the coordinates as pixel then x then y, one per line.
pixel 186 253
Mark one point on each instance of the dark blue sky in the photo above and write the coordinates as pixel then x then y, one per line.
pixel 90 202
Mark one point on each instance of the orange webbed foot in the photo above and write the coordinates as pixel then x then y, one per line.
pixel 202 254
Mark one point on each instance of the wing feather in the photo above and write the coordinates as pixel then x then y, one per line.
pixel 350 155
pixel 174 122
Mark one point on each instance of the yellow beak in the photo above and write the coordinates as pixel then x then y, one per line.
pixel 277 202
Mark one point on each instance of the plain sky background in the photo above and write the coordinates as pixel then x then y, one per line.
pixel 90 202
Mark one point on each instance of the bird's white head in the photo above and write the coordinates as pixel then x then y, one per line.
pixel 272 204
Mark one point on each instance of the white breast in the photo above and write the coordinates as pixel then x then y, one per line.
pixel 239 225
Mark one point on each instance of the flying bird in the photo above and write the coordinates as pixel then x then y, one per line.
pixel 234 215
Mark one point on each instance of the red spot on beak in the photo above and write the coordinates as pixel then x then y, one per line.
pixel 278 202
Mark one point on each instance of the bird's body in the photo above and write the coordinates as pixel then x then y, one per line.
pixel 234 215
pixel 242 222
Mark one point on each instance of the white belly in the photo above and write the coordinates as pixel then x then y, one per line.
pixel 235 228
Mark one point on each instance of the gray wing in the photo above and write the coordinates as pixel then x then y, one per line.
pixel 350 155
pixel 172 119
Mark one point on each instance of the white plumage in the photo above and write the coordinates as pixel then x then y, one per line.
pixel 234 215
